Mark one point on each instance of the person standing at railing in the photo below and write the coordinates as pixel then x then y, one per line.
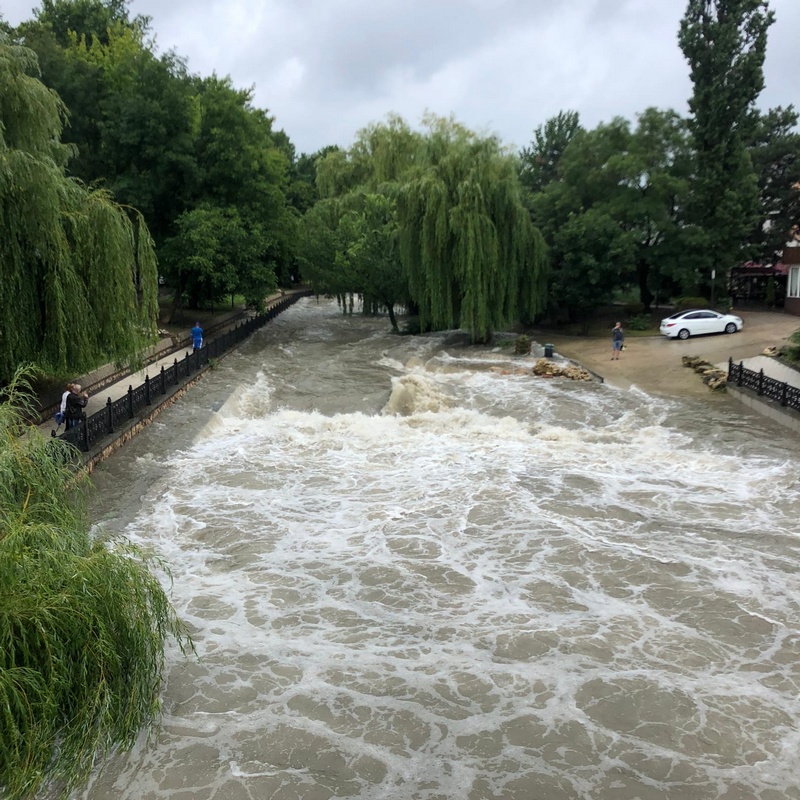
pixel 61 414
pixel 76 402
pixel 197 337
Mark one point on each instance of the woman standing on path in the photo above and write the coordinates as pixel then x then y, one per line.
pixel 76 402
pixel 617 338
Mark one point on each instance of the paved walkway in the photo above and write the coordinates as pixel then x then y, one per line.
pixel 772 369
pixel 99 399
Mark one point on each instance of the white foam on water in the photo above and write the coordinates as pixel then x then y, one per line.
pixel 501 586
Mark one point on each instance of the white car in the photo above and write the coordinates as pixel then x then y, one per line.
pixel 695 322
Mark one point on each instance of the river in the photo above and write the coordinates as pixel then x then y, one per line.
pixel 411 573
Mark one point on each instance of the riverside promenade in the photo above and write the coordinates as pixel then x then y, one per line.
pixel 111 386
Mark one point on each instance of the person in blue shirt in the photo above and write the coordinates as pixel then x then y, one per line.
pixel 197 337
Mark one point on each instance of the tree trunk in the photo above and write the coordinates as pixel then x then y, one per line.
pixel 645 295
pixel 392 318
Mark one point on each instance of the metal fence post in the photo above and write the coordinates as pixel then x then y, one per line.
pixel 130 402
pixel 110 426
pixel 84 434
pixel 163 382
pixel 176 372
pixel 760 382
pixel 784 393
pixel 147 389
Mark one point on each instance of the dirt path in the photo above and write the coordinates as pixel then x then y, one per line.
pixel 653 363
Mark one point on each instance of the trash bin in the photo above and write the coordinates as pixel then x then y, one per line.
pixel 548 351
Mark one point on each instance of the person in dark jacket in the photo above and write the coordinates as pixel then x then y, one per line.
pixel 617 338
pixel 76 402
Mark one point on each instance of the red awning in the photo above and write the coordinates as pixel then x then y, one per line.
pixel 755 268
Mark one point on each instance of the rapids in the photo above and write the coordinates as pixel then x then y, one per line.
pixel 411 573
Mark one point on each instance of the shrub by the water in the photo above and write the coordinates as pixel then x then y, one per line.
pixel 791 350
pixel 83 620
pixel 522 345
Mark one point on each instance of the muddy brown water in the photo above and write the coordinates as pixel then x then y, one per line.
pixel 411 573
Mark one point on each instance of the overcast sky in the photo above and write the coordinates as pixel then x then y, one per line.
pixel 326 68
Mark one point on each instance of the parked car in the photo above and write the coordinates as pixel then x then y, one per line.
pixel 694 322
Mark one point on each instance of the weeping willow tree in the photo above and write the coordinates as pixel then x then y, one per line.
pixel 468 251
pixel 78 274
pixel 473 257
pixel 83 620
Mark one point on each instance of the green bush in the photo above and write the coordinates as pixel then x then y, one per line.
pixel 83 620
pixel 682 303
pixel 641 322
pixel 790 352
pixel 522 345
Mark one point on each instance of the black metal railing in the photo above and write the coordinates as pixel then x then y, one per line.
pixel 103 423
pixel 764 386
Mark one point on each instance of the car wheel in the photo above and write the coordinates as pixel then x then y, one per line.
pixel 730 328
pixel 683 333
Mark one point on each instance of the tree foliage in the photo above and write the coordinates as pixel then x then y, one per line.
pixel 539 161
pixel 775 152
pixel 83 621
pixel 724 42
pixel 614 216
pixel 171 144
pixel 473 257
pixel 79 278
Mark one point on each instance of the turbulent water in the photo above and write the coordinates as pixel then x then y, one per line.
pixel 412 573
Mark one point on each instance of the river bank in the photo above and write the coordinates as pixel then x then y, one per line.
pixel 653 363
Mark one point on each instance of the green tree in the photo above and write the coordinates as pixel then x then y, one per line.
pixel 468 249
pixel 216 252
pixel 241 179
pixel 318 244
pixel 473 257
pixel 638 178
pixel 582 216
pixel 89 19
pixel 539 161
pixel 132 112
pixel 724 42
pixel 652 206
pixel 78 279
pixel 370 255
pixel 83 620
pixel 775 152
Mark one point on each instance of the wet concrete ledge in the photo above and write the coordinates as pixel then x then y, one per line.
pixel 769 408
pixel 111 443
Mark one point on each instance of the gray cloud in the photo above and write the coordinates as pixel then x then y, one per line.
pixel 326 68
